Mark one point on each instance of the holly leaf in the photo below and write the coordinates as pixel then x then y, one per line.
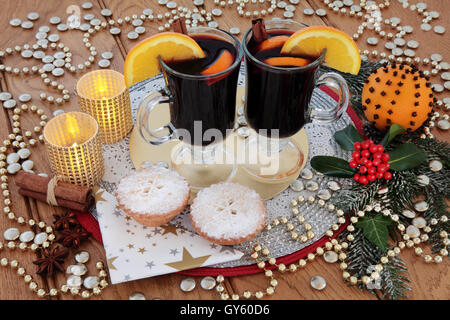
pixel 394 131
pixel 332 166
pixel 347 137
pixel 406 156
pixel 375 229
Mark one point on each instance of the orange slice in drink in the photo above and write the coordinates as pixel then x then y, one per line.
pixel 287 62
pixel 272 43
pixel 222 63
pixel 142 61
pixel 342 53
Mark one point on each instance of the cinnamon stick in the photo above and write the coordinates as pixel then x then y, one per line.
pixel 67 195
pixel 179 25
pixel 259 30
pixel 83 207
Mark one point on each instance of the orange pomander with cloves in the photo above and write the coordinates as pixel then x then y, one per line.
pixel 397 93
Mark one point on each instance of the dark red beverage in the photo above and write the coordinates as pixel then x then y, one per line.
pixel 279 88
pixel 201 91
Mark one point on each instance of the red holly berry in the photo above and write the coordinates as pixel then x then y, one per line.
pixel 363 169
pixel 363 161
pixel 380 148
pixel 373 148
pixel 369 164
pixel 387 175
pixel 387 165
pixel 372 170
pixel 376 162
pixel 356 177
pixel 365 153
pixel 363 180
pixel 371 177
pixel 353 164
pixel 385 157
pixel 379 175
pixel 356 154
pixel 382 168
pixel 377 156
pixel 357 145
pixel 365 144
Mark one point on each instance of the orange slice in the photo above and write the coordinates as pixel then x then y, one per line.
pixel 222 63
pixel 142 61
pixel 342 53
pixel 272 43
pixel 287 62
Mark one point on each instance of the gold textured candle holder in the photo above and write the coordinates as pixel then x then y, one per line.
pixel 74 148
pixel 104 95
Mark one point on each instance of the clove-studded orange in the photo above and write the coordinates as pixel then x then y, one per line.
pixel 397 93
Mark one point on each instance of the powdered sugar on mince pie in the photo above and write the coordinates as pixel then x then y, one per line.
pixel 153 196
pixel 228 213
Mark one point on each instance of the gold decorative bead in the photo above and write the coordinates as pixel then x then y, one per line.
pixel 102 274
pixel 418 251
pixel 272 261
pixel 259 294
pixel 27 278
pixel 261 264
pixel 32 285
pixel 96 290
pixel 273 282
pixel 220 278
pixel 345 275
pixel 21 271
pixel 365 279
pixel 343 266
pixel 247 294
pixel 265 252
pixel 353 280
pixel 14 263
pixel 302 263
pixel 292 267
pixel 74 291
pixel 99 265
pixel 103 283
pixel 64 288
pixel 257 248
pixel 41 293
pixel 4 262
pixel 283 220
pixel 53 292
pixel 85 294
pixel 281 267
pixel 311 256
pixel 235 297
pixel 270 290
pixel 294 235
pixel 254 255
pixel 303 238
pixel 224 296
pixel 268 273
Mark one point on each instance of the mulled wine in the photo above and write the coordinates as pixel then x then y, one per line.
pixel 278 88
pixel 200 91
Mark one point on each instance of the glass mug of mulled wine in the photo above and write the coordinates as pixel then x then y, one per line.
pixel 277 100
pixel 201 95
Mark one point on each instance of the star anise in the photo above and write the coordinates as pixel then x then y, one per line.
pixel 73 238
pixel 51 261
pixel 65 221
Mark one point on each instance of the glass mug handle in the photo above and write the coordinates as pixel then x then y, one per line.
pixel 142 120
pixel 323 112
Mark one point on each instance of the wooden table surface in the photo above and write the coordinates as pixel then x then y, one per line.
pixel 427 281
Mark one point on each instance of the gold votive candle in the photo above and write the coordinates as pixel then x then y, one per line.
pixel 104 95
pixel 74 148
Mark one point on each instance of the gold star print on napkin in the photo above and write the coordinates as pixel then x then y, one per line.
pixel 134 251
